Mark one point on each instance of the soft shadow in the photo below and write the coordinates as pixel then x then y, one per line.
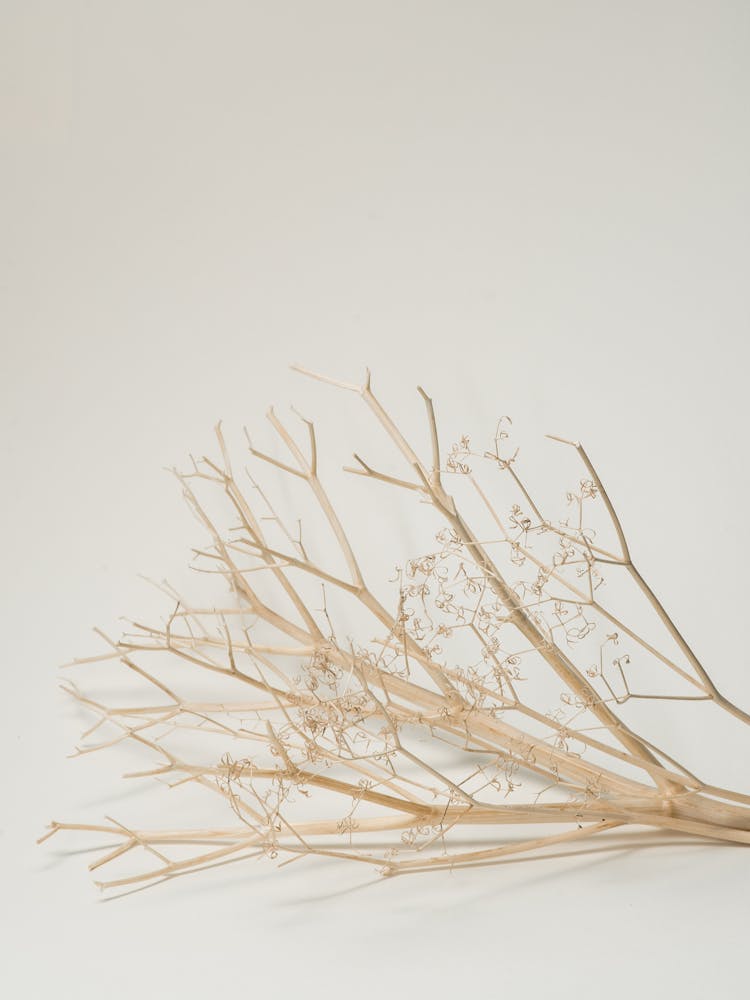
pixel 591 852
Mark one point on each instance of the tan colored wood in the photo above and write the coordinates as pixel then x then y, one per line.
pixel 324 716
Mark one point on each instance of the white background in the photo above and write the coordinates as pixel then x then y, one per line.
pixel 531 208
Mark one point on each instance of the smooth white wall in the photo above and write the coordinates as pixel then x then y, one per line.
pixel 531 208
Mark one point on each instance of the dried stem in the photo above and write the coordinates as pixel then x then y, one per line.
pixel 498 688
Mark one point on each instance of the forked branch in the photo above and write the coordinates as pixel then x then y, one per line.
pixel 495 689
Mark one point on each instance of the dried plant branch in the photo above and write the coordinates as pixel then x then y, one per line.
pixel 496 687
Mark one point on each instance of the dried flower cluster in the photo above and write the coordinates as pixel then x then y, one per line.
pixel 496 687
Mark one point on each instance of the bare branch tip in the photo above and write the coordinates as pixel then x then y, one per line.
pixel 562 440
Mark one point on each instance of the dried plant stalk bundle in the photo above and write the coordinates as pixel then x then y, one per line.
pixel 496 687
